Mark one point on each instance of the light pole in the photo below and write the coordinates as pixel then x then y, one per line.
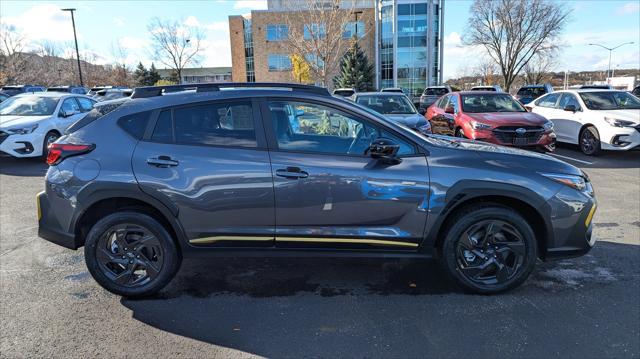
pixel 610 51
pixel 73 22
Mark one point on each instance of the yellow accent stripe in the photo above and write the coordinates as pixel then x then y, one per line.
pixel 228 238
pixel 38 205
pixel 346 240
pixel 590 216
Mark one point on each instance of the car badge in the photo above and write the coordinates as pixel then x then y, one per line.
pixel 521 131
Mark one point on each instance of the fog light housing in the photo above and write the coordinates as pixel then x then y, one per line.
pixel 619 140
pixel 28 148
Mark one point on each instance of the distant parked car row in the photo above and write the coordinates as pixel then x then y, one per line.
pixel 99 93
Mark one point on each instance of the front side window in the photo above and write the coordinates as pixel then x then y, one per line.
pixel 548 101
pixel 28 106
pixel 568 99
pixel 278 62
pixel 490 103
pixel 310 127
pixel 610 100
pixel 216 124
pixel 277 32
pixel 314 31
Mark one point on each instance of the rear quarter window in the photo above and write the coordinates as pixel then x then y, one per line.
pixel 96 113
pixel 135 124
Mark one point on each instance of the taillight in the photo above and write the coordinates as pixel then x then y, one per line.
pixel 60 151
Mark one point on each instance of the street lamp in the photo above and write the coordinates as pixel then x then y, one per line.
pixel 73 22
pixel 610 51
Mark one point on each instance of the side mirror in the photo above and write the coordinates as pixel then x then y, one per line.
pixel 385 150
pixel 422 111
pixel 449 109
pixel 65 114
pixel 571 108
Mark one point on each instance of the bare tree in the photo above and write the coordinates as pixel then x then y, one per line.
pixel 325 21
pixel 513 31
pixel 120 54
pixel 539 68
pixel 174 44
pixel 486 70
pixel 13 59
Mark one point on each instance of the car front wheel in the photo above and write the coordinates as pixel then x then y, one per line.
pixel 489 249
pixel 590 141
pixel 49 138
pixel 131 254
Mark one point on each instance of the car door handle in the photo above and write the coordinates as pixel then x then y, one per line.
pixel 162 162
pixel 292 172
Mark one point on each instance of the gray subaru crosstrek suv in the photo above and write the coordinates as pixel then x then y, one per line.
pixel 289 170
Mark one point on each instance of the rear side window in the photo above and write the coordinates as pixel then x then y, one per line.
pixel 135 124
pixel 548 101
pixel 85 104
pixel 216 124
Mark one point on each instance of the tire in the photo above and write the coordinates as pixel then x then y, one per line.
pixel 589 141
pixel 49 138
pixel 120 270
pixel 506 264
pixel 460 133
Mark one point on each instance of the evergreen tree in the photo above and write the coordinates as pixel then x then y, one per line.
pixel 355 70
pixel 140 75
pixel 153 76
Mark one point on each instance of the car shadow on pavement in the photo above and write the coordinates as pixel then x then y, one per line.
pixel 393 307
pixel 27 167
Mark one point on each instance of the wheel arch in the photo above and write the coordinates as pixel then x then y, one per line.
pixel 532 207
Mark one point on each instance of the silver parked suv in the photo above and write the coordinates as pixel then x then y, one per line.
pixel 289 170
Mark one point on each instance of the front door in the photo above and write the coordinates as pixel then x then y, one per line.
pixel 210 161
pixel 567 124
pixel 329 193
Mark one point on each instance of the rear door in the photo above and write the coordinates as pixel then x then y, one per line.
pixel 210 161
pixel 329 193
pixel 567 124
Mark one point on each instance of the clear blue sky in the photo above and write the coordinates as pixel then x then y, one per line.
pixel 101 24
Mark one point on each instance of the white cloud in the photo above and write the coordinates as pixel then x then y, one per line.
pixel 216 52
pixel 192 21
pixel 628 8
pixel 453 39
pixel 119 21
pixel 128 42
pixel 250 4
pixel 44 22
pixel 218 26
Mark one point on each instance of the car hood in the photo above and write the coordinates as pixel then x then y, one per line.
pixel 410 120
pixel 508 157
pixel 627 115
pixel 11 121
pixel 508 118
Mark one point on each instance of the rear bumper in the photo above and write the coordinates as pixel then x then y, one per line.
pixel 49 229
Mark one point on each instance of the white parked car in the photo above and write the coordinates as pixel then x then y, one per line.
pixel 593 119
pixel 29 123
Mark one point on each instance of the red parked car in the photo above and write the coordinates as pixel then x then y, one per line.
pixel 492 117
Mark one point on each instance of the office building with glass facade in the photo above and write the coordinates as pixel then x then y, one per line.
pixel 402 37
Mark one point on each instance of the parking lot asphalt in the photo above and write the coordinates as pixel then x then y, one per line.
pixel 587 307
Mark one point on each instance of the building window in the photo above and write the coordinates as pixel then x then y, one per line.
pixel 314 31
pixel 248 50
pixel 352 28
pixel 279 62
pixel 314 61
pixel 277 32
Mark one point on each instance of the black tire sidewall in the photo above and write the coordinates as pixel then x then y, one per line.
pixel 474 215
pixel 170 264
pixel 45 150
pixel 597 145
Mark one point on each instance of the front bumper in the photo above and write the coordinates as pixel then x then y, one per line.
pixel 29 145
pixel 572 223
pixel 620 138
pixel 49 228
pixel 546 140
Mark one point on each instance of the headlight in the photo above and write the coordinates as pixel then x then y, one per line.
pixel 619 123
pixel 22 130
pixel 480 126
pixel 577 182
pixel 548 126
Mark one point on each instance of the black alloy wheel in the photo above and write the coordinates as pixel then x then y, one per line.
pixel 590 141
pixel 490 252
pixel 131 254
pixel 488 248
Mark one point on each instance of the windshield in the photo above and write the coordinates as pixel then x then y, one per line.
pixel 29 106
pixel 490 103
pixel 387 105
pixel 435 91
pixel 534 92
pixel 610 100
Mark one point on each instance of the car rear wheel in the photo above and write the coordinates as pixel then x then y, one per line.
pixel 131 254
pixel 590 141
pixel 489 249
pixel 49 138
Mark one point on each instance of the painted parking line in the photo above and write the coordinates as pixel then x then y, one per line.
pixel 571 159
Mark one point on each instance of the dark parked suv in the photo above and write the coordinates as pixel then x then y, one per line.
pixel 289 170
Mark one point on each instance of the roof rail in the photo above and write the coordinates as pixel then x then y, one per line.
pixel 153 91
